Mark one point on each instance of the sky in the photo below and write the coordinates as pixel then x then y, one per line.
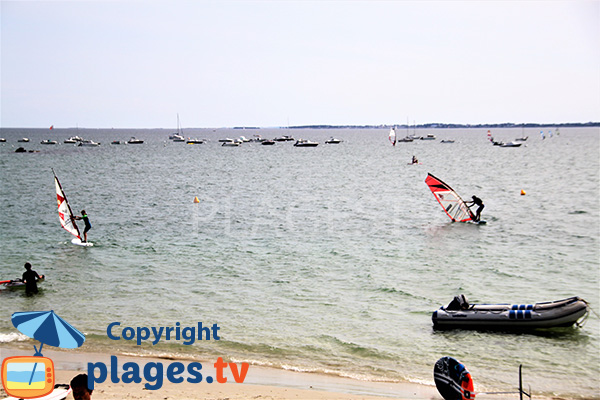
pixel 137 64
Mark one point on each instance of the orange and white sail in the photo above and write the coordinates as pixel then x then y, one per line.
pixel 450 201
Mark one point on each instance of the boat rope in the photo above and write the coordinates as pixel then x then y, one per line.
pixel 583 319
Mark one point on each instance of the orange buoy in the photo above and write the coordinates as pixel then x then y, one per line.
pixel 196 200
pixel 522 192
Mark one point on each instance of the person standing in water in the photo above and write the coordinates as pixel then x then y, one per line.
pixel 479 202
pixel 30 278
pixel 86 221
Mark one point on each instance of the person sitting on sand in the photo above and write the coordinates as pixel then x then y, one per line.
pixel 476 200
pixel 415 160
pixel 30 278
pixel 80 389
pixel 86 221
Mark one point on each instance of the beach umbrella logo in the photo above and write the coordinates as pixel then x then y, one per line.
pixel 31 377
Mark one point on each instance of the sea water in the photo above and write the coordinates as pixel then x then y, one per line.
pixel 328 259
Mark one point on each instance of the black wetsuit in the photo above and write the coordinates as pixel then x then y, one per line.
pixel 30 278
pixel 86 221
pixel 479 202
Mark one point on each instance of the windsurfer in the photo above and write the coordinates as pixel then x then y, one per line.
pixel 30 278
pixel 86 221
pixel 479 202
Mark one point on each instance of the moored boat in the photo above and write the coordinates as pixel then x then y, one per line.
pixel 194 141
pixel 48 141
pixel 459 314
pixel 88 143
pixel 510 144
pixel 73 139
pixel 305 143
pixel 133 140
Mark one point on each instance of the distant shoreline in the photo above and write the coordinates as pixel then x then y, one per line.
pixel 436 125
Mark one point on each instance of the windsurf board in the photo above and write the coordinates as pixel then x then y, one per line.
pixel 78 242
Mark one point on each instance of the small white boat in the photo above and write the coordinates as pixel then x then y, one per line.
pixel 23 140
pixel 178 136
pixel 521 139
pixel 428 137
pixel 73 139
pixel 88 143
pixel 510 144
pixel 305 143
pixel 406 139
pixel 460 314
pixel 133 140
pixel 333 140
pixel 2 140
pixel 48 141
pixel 284 138
pixel 194 141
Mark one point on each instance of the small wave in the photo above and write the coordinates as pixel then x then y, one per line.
pixel 12 337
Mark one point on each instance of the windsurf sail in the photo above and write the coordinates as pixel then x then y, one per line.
pixel 64 210
pixel 392 136
pixel 450 201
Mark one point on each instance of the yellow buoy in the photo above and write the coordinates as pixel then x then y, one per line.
pixel 522 192
pixel 198 201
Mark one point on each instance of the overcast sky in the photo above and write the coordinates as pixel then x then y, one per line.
pixel 136 64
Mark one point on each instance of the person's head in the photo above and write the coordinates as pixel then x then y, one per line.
pixel 27 266
pixel 83 212
pixel 80 387
pixel 473 197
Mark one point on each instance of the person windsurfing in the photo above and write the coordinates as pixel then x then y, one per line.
pixel 479 202
pixel 86 221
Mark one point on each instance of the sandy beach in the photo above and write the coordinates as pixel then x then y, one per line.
pixel 260 383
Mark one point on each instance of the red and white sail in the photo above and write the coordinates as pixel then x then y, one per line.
pixel 392 136
pixel 450 201
pixel 64 210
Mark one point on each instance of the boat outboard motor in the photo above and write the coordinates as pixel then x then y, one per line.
pixel 460 302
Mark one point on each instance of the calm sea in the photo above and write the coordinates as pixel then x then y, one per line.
pixel 327 259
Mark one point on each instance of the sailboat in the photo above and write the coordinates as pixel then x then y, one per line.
pixel 65 214
pixel 450 201
pixel 178 136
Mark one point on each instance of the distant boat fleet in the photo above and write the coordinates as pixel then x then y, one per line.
pixel 178 136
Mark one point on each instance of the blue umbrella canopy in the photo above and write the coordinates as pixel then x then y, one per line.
pixel 48 328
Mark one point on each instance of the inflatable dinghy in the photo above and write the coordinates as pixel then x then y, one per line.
pixel 460 314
